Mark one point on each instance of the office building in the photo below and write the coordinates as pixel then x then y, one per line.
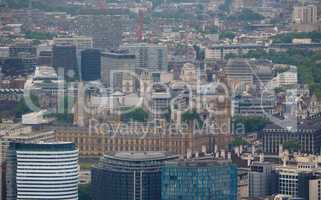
pixel 158 101
pixel 64 57
pixel 22 48
pixel 18 133
pixel 80 42
pixel 42 171
pixel 129 175
pixel 90 65
pixel 307 133
pixel 199 179
pixel 117 66
pixel 261 179
pixel 305 18
pixel 253 106
pixel 294 180
pixel 153 56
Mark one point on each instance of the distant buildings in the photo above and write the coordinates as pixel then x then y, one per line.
pixel 129 175
pixel 90 65
pixel 136 137
pixel 199 178
pixel 42 171
pixel 149 56
pixel 305 18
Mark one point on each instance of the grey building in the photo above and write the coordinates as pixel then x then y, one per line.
pixel 260 179
pixel 253 106
pixel 115 66
pixel 307 133
pixel 153 56
pixel 238 71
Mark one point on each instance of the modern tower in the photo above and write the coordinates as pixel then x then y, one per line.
pixel 128 176
pixel 64 57
pixel 42 171
pixel 90 65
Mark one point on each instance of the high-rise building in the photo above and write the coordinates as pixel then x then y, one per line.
pixel 42 171
pixel 80 42
pixel 90 65
pixel 199 179
pixel 127 176
pixel 18 133
pixel 153 56
pixel 305 18
pixel 115 67
pixel 64 56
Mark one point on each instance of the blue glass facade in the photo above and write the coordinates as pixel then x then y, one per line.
pixel 202 181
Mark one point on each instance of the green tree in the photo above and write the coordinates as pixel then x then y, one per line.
pixel 238 141
pixel 137 114
pixel 84 192
pixel 192 116
pixel 22 107
pixel 251 124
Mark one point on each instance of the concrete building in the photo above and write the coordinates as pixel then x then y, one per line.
pixel 117 66
pixel 253 106
pixel 305 18
pixel 314 189
pixel 158 101
pixel 260 179
pixel 239 74
pixel 154 56
pixel 42 171
pixel 129 175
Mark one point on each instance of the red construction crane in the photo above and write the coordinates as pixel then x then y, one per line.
pixel 140 26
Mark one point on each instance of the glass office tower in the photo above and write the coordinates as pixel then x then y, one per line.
pixel 199 179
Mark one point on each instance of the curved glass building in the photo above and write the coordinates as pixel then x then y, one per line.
pixel 42 171
pixel 129 176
